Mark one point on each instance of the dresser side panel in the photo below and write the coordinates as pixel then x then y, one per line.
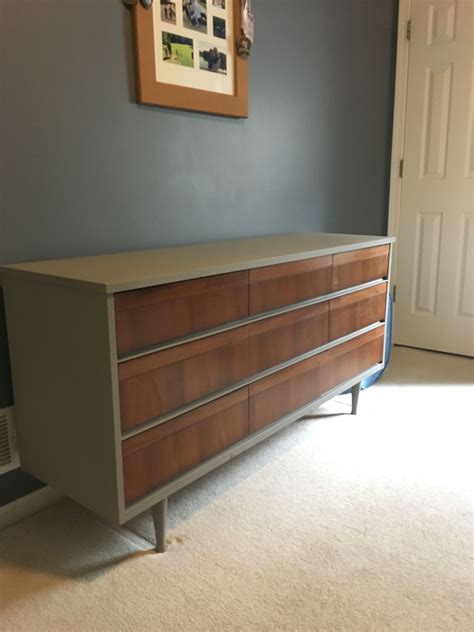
pixel 63 376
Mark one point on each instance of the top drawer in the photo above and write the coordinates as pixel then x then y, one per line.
pixel 153 315
pixel 288 283
pixel 359 266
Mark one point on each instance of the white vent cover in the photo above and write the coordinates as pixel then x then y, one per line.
pixel 9 457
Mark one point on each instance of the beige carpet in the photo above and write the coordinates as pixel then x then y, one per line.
pixel 339 523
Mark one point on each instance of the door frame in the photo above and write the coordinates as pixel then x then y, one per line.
pixel 398 130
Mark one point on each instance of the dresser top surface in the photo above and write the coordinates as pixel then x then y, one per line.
pixel 132 270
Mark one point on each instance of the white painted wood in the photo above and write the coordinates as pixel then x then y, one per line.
pixel 434 278
pixel 398 133
pixel 64 384
pixel 132 270
pixel 64 359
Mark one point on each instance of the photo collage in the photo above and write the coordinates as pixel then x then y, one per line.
pixel 195 34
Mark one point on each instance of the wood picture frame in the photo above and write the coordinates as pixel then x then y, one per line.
pixel 151 91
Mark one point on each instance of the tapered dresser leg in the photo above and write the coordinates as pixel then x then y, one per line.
pixel 158 512
pixel 355 397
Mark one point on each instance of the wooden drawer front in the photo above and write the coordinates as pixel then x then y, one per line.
pixel 153 315
pixel 354 311
pixel 155 384
pixel 285 391
pixel 288 283
pixel 157 456
pixel 280 338
pixel 359 266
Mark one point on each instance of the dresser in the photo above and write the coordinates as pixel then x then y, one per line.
pixel 136 373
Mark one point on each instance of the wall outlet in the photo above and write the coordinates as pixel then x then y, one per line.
pixel 9 456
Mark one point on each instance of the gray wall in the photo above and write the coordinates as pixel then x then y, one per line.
pixel 85 170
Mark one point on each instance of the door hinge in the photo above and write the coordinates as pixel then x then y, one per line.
pixel 409 30
pixel 400 168
pixel 394 294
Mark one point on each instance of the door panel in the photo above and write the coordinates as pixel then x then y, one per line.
pixel 435 285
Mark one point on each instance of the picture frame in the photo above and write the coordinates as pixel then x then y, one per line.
pixel 186 56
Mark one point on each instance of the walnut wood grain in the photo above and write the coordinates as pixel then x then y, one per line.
pixel 357 355
pixel 157 383
pixel 288 283
pixel 163 453
pixel 153 315
pixel 280 338
pixel 359 266
pixel 356 310
pixel 288 389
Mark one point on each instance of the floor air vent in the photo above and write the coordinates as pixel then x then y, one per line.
pixel 9 457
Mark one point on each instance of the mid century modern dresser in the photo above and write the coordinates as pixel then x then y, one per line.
pixel 136 373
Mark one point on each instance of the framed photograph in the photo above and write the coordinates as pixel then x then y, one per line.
pixel 186 56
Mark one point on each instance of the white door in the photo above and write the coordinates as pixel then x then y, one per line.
pixel 435 261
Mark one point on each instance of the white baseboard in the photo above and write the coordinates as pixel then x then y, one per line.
pixel 28 505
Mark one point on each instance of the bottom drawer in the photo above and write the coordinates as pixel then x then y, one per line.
pixel 285 391
pixel 156 456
